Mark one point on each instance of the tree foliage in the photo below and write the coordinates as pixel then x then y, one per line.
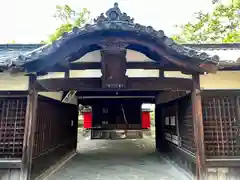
pixel 222 25
pixel 69 18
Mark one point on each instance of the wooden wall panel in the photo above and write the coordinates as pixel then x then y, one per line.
pixel 186 123
pixel 55 135
pixel 182 110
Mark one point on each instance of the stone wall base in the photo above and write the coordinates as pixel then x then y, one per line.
pixel 10 174
pixel 223 174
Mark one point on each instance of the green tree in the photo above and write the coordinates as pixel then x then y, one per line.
pixel 11 42
pixel 69 18
pixel 220 26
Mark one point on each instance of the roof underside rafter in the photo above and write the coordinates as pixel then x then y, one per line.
pixel 117 29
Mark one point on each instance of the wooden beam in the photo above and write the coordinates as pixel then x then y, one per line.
pixel 168 96
pixel 94 84
pixel 130 65
pixel 13 93
pixel 157 84
pixel 67 84
pixel 209 67
pixel 30 123
pixel 94 101
pixel 161 73
pixel 198 127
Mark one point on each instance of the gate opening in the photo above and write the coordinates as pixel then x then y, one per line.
pixel 110 129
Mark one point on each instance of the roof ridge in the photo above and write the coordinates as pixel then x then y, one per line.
pixel 202 46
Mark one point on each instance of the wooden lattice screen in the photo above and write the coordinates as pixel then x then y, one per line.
pixel 221 119
pixel 221 123
pixel 186 123
pixel 12 122
pixel 56 125
pixel 55 133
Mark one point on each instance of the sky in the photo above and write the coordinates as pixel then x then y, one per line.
pixel 30 21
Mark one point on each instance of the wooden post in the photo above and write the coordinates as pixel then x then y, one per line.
pixel 30 123
pixel 177 124
pixel 161 73
pixel 161 143
pixel 158 122
pixel 198 127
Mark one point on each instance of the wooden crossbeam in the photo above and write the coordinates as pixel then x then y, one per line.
pixel 130 65
pixel 133 84
pixel 168 96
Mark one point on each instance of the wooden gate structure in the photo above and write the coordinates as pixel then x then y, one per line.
pixel 198 129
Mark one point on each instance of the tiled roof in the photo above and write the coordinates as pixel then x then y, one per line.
pixel 226 52
pixel 10 51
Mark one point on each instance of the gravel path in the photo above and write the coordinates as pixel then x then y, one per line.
pixel 117 160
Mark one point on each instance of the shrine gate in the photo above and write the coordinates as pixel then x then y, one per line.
pixel 196 128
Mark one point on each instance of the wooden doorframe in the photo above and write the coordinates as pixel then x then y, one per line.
pixel 30 125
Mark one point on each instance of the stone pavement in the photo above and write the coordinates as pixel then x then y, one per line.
pixel 117 160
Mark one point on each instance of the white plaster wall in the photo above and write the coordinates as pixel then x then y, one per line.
pixel 13 83
pixel 53 95
pixel 9 82
pixel 176 74
pixel 85 73
pixel 58 96
pixel 129 73
pixel 221 80
pixel 142 73
pixel 132 56
pixel 53 75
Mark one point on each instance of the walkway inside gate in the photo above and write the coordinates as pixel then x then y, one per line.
pixel 117 159
pixel 54 152
pixel 112 47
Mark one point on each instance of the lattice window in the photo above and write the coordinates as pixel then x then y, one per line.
pixel 12 122
pixel 220 128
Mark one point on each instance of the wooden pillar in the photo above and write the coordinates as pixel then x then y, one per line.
pixel 159 121
pixel 160 141
pixel 30 123
pixel 67 74
pixel 157 125
pixel 198 127
pixel 177 124
pixel 161 73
